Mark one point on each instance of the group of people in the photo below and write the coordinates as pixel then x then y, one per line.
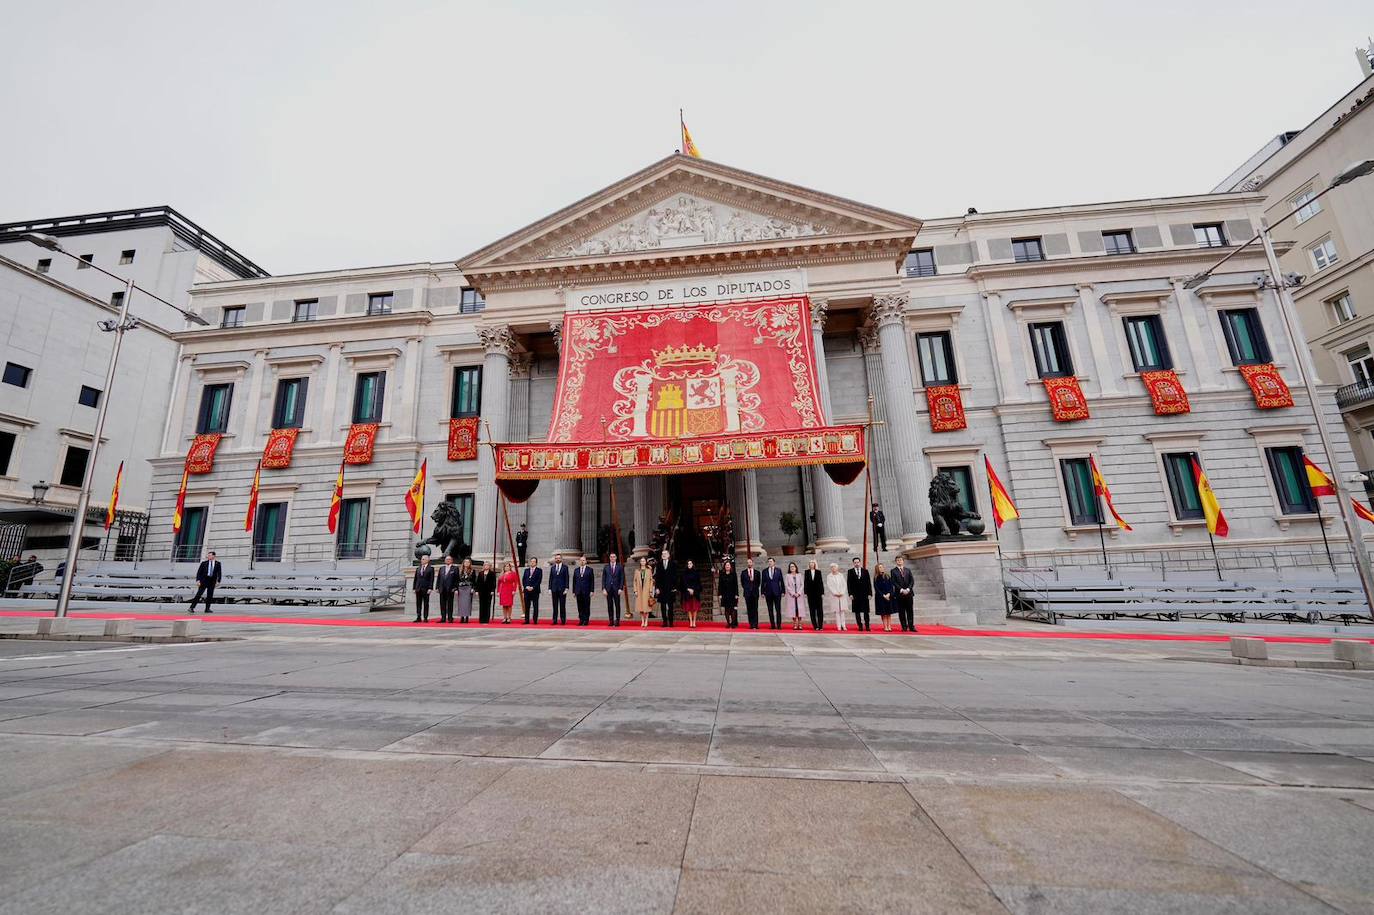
pixel 795 595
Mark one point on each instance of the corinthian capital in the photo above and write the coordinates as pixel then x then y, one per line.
pixel 556 328
pixel 868 336
pixel 818 310
pixel 890 308
pixel 497 339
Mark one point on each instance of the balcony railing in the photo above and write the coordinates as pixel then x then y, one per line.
pixel 1353 395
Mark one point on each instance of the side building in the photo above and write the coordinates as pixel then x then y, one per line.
pixel 990 305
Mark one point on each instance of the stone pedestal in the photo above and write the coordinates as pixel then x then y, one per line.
pixel 965 575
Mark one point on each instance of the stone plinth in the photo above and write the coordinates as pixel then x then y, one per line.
pixel 965 574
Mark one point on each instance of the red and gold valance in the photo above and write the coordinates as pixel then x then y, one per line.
pixel 723 386
pixel 362 437
pixel 1267 385
pixel 462 439
pixel 201 456
pixel 277 454
pixel 1067 403
pixel 946 408
pixel 1166 392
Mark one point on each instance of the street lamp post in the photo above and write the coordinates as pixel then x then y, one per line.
pixel 1306 370
pixel 118 327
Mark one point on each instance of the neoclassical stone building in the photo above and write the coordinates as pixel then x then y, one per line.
pixel 983 307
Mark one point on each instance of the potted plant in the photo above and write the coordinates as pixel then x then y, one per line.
pixel 790 525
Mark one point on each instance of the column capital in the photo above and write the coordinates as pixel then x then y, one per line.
pixel 868 336
pixel 497 339
pixel 890 308
pixel 556 328
pixel 519 365
pixel 818 310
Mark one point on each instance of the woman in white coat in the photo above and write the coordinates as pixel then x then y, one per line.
pixel 836 595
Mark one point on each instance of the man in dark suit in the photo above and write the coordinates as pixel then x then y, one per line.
pixel 532 581
pixel 448 584
pixel 522 540
pixel 666 583
pixel 904 595
pixel 860 588
pixel 423 584
pixel 485 585
pixel 750 584
pixel 813 586
pixel 613 586
pixel 208 574
pixel 879 521
pixel 772 594
pixel 558 589
pixel 583 584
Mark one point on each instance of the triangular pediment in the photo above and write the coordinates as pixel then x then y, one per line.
pixel 684 203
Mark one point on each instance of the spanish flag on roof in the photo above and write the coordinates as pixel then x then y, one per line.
pixel 1003 509
pixel 688 147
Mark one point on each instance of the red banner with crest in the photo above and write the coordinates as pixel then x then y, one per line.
pixel 1267 385
pixel 1166 392
pixel 200 458
pixel 946 408
pixel 462 439
pixel 277 454
pixel 362 437
pixel 1067 403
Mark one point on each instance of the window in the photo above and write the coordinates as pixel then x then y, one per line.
pixel 1078 489
pixel 1209 235
pixel 117 299
pixel 1118 242
pixel 921 262
pixel 17 375
pixel 214 408
pixel 1051 349
pixel 44 264
pixel 1149 349
pixel 471 302
pixel 1361 365
pixel 7 443
pixel 269 531
pixel 306 310
pixel 1323 254
pixel 465 503
pixel 367 397
pixel 1290 481
pixel 1178 471
pixel 467 391
pixel 1026 249
pixel 191 537
pixel 963 478
pixel 74 466
pixel 233 316
pixel 1306 205
pixel 936 352
pixel 352 539
pixel 89 396
pixel 1342 309
pixel 1244 336
pixel 126 257
pixel 379 303
pixel 289 410
pixel 85 261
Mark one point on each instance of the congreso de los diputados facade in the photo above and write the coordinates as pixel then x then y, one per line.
pixel 732 362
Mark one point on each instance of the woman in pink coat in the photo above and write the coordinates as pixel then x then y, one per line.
pixel 506 586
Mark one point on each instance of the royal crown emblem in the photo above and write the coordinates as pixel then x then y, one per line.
pixel 685 355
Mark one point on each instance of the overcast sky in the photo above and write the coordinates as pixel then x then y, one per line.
pixel 346 134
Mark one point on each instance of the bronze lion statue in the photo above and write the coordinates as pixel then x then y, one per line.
pixel 447 534
pixel 947 513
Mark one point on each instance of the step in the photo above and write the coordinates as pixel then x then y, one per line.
pixel 955 620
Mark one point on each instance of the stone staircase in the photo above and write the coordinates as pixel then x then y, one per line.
pixel 933 611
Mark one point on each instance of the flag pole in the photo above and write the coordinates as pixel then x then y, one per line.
pixel 504 513
pixel 1321 526
pixel 615 512
pixel 1101 537
pixel 997 539
pixel 868 481
pixel 1213 544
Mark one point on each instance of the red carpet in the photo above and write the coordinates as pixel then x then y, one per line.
pixel 713 627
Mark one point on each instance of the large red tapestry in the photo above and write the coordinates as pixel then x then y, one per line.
pixel 462 439
pixel 201 456
pixel 1267 385
pixel 1166 392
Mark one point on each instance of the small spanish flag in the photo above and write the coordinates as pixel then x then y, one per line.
pixel 1361 510
pixel 1100 487
pixel 114 497
pixel 688 147
pixel 1211 508
pixel 181 501
pixel 415 497
pixel 1003 509
pixel 336 503
pixel 253 499
pixel 1317 480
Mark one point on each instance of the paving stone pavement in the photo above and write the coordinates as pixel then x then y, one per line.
pixel 395 770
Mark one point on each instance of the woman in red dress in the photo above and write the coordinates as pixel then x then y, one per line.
pixel 506 587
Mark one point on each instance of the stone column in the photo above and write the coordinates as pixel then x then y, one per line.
pixel 829 505
pixel 500 346
pixel 883 469
pixel 644 520
pixel 567 496
pixel 889 314
pixel 744 503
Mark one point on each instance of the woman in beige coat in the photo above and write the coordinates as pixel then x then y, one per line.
pixel 643 584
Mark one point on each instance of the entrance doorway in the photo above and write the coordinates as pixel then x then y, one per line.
pixel 699 517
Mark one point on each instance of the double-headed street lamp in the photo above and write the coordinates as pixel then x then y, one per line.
pixel 118 328
pixel 1306 370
